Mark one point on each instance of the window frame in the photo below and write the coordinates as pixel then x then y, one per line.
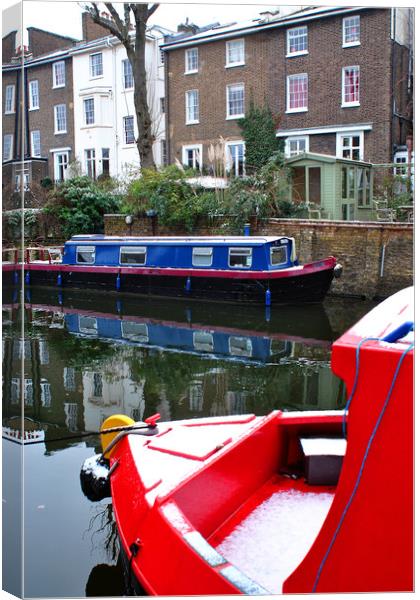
pixel 9 136
pixel 238 63
pixel 32 83
pixel 82 248
pixel 55 66
pixel 240 251
pixel 235 164
pixel 194 121
pixel 350 134
pixel 56 130
pixel 125 130
pixel 93 66
pixel 289 53
pixel 298 109
pixel 11 100
pixel 353 43
pixel 124 62
pixel 203 345
pixel 235 341
pixel 133 250
pixel 189 147
pixel 236 115
pixel 141 337
pixel 91 113
pixel 189 71
pixel 32 143
pixel 276 248
pixel 352 103
pixel 58 165
pixel 209 253
pixel 295 138
pixel 90 162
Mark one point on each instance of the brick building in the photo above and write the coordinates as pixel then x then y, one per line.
pixel 38 133
pixel 338 81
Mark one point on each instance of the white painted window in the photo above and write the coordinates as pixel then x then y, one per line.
pixel 191 107
pixel 96 68
pixel 296 145
pixel 105 161
pixel 69 376
pixel 192 156
pixel 127 72
pixel 235 154
pixel 202 257
pixel 235 53
pixel 89 110
pixel 45 393
pixel 33 95
pixel 133 255
pixel 28 393
pixel 350 145
pixel 59 74
pixel 128 123
pixel 278 255
pixel 351 86
pixel 7 147
pixel 235 101
pixel 60 118
pixel 61 161
pixel 240 258
pixel 9 104
pixel 297 93
pixel 191 60
pixel 351 31
pixel 297 41
pixel 36 143
pixel 90 162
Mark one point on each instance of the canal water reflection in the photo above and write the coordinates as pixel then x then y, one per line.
pixel 85 356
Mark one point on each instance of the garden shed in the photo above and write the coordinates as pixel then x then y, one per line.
pixel 331 187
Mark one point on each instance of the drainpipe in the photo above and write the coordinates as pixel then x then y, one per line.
pixel 114 100
pixel 382 260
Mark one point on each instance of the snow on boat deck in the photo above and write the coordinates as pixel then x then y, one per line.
pixel 272 540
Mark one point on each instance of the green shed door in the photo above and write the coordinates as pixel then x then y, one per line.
pixel 314 185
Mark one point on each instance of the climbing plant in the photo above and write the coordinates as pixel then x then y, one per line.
pixel 259 134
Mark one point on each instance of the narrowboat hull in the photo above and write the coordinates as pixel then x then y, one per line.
pixel 230 505
pixel 308 283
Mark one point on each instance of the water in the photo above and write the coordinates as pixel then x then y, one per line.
pixel 85 356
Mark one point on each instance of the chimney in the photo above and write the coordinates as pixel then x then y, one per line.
pixel 187 27
pixel 22 52
pixel 91 30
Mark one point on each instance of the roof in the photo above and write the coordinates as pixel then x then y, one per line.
pixel 214 240
pixel 260 24
pixel 326 158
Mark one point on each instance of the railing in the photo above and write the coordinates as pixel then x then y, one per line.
pixel 36 253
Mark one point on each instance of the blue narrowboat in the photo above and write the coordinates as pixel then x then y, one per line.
pixel 243 268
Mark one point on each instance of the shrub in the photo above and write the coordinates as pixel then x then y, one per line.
pixel 80 204
pixel 259 134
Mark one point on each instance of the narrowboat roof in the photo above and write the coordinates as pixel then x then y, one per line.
pixel 214 240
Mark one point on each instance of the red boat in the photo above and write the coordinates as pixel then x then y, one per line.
pixel 290 502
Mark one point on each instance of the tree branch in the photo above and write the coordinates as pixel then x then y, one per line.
pixel 152 9
pixel 107 23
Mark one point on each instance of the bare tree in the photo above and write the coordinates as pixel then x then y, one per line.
pixel 135 46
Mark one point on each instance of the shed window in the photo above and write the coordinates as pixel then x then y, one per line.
pixel 202 257
pixel 203 341
pixel 135 255
pixel 136 332
pixel 240 257
pixel 85 254
pixel 278 255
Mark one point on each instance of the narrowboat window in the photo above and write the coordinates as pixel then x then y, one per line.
pixel 240 257
pixel 240 346
pixel 203 341
pixel 278 255
pixel 85 254
pixel 279 347
pixel 88 325
pixel 133 255
pixel 135 332
pixel 202 257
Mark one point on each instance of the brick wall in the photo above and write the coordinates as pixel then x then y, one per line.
pixel 359 247
pixel 8 46
pixel 264 76
pixel 42 42
pixel 91 30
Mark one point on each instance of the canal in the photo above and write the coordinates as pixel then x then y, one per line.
pixel 72 358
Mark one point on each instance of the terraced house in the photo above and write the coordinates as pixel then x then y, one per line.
pixel 338 81
pixel 38 137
